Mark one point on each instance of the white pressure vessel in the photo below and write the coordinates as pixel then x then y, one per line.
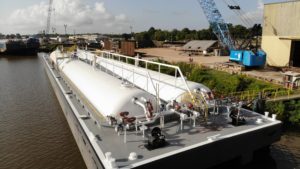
pixel 104 92
pixel 139 77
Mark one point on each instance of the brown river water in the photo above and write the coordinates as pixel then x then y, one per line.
pixel 34 133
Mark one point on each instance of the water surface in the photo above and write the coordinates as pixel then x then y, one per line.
pixel 34 133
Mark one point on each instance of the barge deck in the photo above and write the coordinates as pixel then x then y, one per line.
pixel 201 143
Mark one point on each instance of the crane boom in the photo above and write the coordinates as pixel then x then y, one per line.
pixel 217 23
pixel 242 55
pixel 49 17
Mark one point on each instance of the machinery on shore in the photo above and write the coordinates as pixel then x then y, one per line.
pixel 245 54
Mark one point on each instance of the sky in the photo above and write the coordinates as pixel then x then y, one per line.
pixel 116 16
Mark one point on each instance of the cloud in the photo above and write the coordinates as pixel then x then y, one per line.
pixel 77 14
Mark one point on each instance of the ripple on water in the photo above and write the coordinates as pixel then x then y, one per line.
pixel 34 132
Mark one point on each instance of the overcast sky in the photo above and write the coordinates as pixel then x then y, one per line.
pixel 115 16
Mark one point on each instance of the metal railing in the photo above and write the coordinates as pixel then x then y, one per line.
pixel 104 57
pixel 126 59
pixel 146 75
pixel 271 94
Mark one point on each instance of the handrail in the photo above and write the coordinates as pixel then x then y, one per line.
pixel 268 93
pixel 105 61
pixel 109 55
pixel 122 68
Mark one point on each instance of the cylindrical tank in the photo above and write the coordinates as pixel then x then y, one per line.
pixel 106 93
pixel 56 55
pixel 138 76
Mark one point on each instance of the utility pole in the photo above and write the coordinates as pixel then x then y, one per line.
pixel 65 25
pixel 131 32
pixel 131 29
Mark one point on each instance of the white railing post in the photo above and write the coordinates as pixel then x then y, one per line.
pixel 186 85
pixel 149 76
pixel 159 72
pixel 133 77
pixel 114 74
pixel 175 78
pixel 122 73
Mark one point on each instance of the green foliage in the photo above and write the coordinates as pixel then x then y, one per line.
pixel 238 31
pixel 2 36
pixel 277 108
pixel 186 68
pixel 288 111
pixel 222 81
pixel 292 109
pixel 144 38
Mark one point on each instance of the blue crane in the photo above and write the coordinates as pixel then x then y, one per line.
pixel 241 54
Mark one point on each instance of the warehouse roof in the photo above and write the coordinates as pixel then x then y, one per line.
pixel 199 45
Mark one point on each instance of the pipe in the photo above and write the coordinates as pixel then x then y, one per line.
pixel 185 117
pixel 146 112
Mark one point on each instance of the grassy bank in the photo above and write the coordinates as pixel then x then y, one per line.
pixel 219 81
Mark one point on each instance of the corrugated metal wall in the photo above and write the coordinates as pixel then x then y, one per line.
pixel 280 20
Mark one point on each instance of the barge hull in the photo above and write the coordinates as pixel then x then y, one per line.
pixel 89 155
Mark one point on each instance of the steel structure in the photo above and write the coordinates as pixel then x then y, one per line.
pixel 49 17
pixel 217 23
pixel 244 55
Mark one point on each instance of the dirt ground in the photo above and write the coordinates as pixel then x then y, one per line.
pixel 173 55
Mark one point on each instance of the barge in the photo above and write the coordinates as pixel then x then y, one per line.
pixel 28 46
pixel 123 115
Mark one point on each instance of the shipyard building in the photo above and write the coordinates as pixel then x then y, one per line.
pixel 281 34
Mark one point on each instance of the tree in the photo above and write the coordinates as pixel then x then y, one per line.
pixel 160 35
pixel 238 31
pixel 185 31
pixel 144 40
pixel 174 35
pixel 126 36
pixel 151 32
pixel 18 36
pixel 206 34
pixel 2 36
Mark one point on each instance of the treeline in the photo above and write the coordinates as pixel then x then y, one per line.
pixel 10 36
pixel 146 38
